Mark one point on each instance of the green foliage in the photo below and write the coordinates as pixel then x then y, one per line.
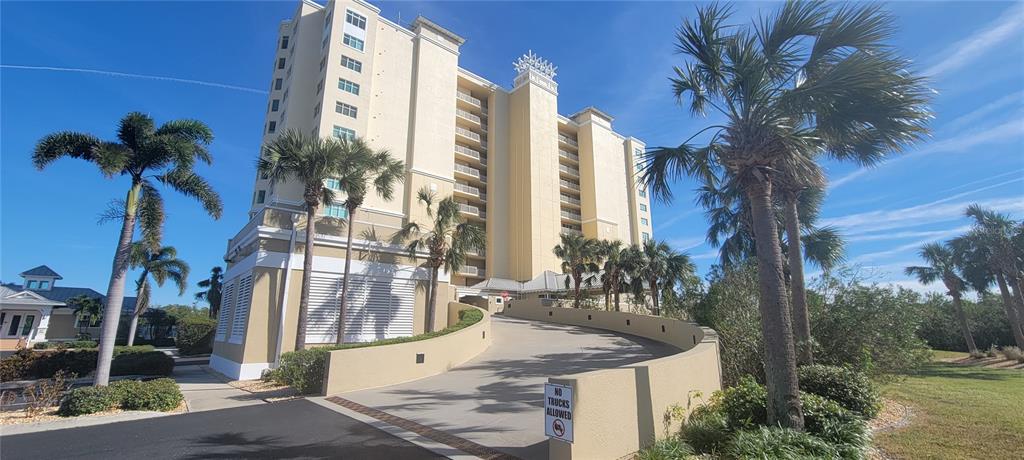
pixel 155 395
pixel 986 317
pixel 17 366
pixel 744 405
pixel 303 370
pixel 1013 353
pixel 195 335
pixel 136 360
pixel 852 390
pixel 671 448
pixel 65 345
pixel 88 400
pixel 730 308
pixel 707 429
pixel 774 442
pixel 145 363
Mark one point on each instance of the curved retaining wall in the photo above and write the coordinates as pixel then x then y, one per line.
pixel 618 411
pixel 370 367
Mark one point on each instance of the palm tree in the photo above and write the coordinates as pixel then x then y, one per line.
pixel 580 255
pixel 811 79
pixel 213 286
pixel 657 266
pixel 87 309
pixel 612 271
pixel 161 265
pixel 447 243
pixel 147 155
pixel 942 266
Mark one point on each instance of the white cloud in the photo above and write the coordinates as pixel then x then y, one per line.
pixel 1016 99
pixel 137 75
pixel 705 255
pixel 900 235
pixel 929 213
pixel 685 244
pixel 984 39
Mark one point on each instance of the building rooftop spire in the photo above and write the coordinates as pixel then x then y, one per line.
pixel 530 61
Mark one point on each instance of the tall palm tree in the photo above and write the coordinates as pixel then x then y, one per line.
pixel 787 87
pixel 161 265
pixel 580 255
pixel 657 266
pixel 212 292
pixel 447 243
pixel 87 309
pixel 612 271
pixel 147 155
pixel 942 266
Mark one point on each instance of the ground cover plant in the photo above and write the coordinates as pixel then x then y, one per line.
pixel 153 395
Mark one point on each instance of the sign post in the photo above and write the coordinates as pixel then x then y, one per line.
pixel 558 411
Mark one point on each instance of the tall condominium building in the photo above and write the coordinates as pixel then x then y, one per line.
pixel 515 165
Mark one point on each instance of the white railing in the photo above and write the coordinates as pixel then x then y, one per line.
pixel 567 155
pixel 571 231
pixel 467 151
pixel 471 270
pixel 475 191
pixel 470 209
pixel 567 184
pixel 467 133
pixel 568 140
pixel 468 170
pixel 467 115
pixel 568 169
pixel 570 200
pixel 477 252
pixel 571 215
pixel 466 96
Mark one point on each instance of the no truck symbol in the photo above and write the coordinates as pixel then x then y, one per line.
pixel 558 407
pixel 558 428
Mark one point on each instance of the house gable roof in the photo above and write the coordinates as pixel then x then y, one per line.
pixel 42 270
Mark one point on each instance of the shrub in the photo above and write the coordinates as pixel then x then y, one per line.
pixel 47 363
pixel 195 335
pixel 142 363
pixel 707 430
pixel 851 389
pixel 156 395
pixel 88 400
pixel 744 405
pixel 774 442
pixel 992 351
pixel 828 420
pixel 671 448
pixel 46 393
pixel 986 317
pixel 17 366
pixel 122 349
pixel 1013 353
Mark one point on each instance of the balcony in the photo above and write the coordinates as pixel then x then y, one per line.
pixel 567 140
pixel 472 210
pixel 469 270
pixel 569 170
pixel 471 153
pixel 470 171
pixel 469 135
pixel 468 116
pixel 568 199
pixel 477 252
pixel 567 184
pixel 470 190
pixel 467 97
pixel 571 231
pixel 571 216
pixel 568 155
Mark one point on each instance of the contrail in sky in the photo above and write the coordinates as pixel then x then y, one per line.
pixel 136 75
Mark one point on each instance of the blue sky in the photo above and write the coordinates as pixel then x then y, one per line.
pixel 613 55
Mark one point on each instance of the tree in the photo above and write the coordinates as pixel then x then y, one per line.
pixel 162 266
pixel 87 309
pixel 212 293
pixel 612 273
pixel 793 86
pixel 148 156
pixel 580 255
pixel 446 243
pixel 942 266
pixel 656 265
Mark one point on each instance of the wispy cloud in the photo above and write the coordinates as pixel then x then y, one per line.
pixel 1015 99
pixel 675 218
pixel 136 75
pixel 981 41
pixel 929 213
pixel 685 243
pixel 913 246
pixel 901 235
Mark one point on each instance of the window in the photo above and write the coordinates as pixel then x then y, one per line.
pixel 646 236
pixel 351 63
pixel 349 86
pixel 319 87
pixel 323 62
pixel 353 42
pixel 284 42
pixel 280 63
pixel 638 152
pixel 643 221
pixel 261 196
pixel 344 133
pixel 355 19
pixel 44 285
pixel 333 184
pixel 32 284
pixel 15 322
pixel 335 210
pixel 272 127
pixel 277 83
pixel 345 109
pixel 27 328
pixel 275 105
pixel 643 207
pixel 643 194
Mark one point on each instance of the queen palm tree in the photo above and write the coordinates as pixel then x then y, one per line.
pixel 580 255
pixel 942 266
pixel 212 292
pixel 162 265
pixel 447 243
pixel 811 79
pixel 87 309
pixel 147 155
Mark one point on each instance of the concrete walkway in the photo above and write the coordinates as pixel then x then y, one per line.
pixel 205 390
pixel 495 400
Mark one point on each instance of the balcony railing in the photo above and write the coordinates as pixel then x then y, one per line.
pixel 470 171
pixel 571 231
pixel 568 140
pixel 568 155
pixel 569 199
pixel 564 183
pixel 470 209
pixel 471 271
pixel 571 215
pixel 467 133
pixel 477 252
pixel 466 96
pixel 568 169
pixel 467 151
pixel 466 188
pixel 467 115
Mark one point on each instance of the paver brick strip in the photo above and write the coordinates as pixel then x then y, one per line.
pixel 456 442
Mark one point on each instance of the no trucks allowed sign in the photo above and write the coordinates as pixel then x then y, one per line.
pixel 558 411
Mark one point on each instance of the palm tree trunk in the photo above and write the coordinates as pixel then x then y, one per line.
pixel 344 279
pixel 132 327
pixel 655 302
pixel 961 318
pixel 1017 288
pixel 115 290
pixel 431 299
pixel 1011 311
pixel 798 288
pixel 577 279
pixel 780 356
pixel 307 270
pixel 617 289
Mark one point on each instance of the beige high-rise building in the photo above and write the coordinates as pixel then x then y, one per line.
pixel 518 168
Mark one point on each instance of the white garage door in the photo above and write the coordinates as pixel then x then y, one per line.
pixel 378 308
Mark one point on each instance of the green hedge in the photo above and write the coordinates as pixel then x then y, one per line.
pixel 303 370
pixel 137 360
pixel 195 335
pixel 64 345
pixel 852 390
pixel 155 395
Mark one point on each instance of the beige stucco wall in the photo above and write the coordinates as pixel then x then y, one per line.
pixel 392 364
pixel 619 411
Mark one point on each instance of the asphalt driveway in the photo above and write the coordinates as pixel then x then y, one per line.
pixel 289 429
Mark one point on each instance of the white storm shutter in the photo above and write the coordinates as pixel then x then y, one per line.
pixel 322 312
pixel 242 303
pixel 379 308
pixel 226 300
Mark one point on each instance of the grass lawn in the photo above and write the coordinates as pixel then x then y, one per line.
pixel 959 412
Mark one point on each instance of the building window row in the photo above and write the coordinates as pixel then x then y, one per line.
pixel 275 105
pixel 271 127
pixel 335 210
pixel 645 236
pixel 643 207
pixel 284 42
pixel 349 86
pixel 643 221
pixel 345 109
pixel 280 63
pixel 319 87
pixel 277 83
pixel 353 42
pixel 333 184
pixel 351 63
pixel 355 19
pixel 344 133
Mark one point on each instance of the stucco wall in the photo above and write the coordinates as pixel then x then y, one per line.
pixel 62 326
pixel 619 411
pixel 371 367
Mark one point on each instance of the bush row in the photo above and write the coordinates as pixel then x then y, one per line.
pixel 65 345
pixel 195 335
pixel 137 360
pixel 303 370
pixel 157 395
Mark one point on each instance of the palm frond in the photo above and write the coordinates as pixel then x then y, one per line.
pixel 192 185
